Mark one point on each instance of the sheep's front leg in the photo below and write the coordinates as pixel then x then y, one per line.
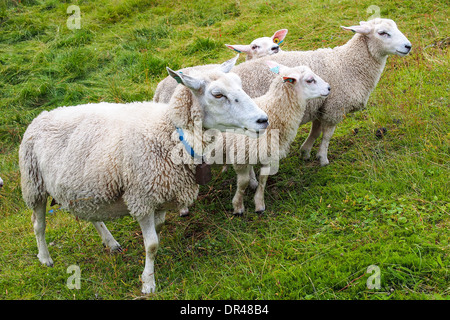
pixel 327 133
pixel 309 142
pixel 151 243
pixel 260 206
pixel 38 219
pixel 243 179
pixel 107 238
pixel 253 181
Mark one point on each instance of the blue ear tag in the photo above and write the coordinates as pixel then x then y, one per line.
pixel 275 69
pixel 237 50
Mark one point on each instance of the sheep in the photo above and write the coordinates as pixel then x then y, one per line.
pixel 104 161
pixel 258 48
pixel 353 71
pixel 285 104
pixel 261 47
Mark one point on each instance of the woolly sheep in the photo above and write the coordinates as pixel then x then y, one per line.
pixel 285 104
pixel 103 161
pixel 258 48
pixel 352 70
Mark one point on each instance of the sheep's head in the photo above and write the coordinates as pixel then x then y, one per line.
pixel 385 38
pixel 224 105
pixel 308 84
pixel 261 47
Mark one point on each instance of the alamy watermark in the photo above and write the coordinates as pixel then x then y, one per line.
pixel 374 281
pixel 74 281
pixel 74 21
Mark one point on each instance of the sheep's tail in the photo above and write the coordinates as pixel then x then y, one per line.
pixel 33 187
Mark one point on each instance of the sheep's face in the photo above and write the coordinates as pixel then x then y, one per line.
pixel 302 79
pixel 223 102
pixel 227 106
pixel 261 47
pixel 385 38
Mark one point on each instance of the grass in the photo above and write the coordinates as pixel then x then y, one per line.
pixel 382 202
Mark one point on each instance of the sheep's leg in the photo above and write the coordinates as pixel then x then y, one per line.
pixel 184 212
pixel 107 238
pixel 253 181
pixel 39 224
pixel 309 142
pixel 160 218
pixel 260 206
pixel 151 243
pixel 243 179
pixel 328 131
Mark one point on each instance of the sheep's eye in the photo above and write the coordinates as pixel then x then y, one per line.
pixel 384 34
pixel 312 80
pixel 254 47
pixel 218 95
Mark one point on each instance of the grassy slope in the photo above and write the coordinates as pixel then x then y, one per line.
pixel 380 202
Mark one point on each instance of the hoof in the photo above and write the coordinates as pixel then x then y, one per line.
pixel 184 212
pixel 238 214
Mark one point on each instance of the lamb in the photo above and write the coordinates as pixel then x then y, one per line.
pixel 258 48
pixel 285 104
pixel 104 161
pixel 352 70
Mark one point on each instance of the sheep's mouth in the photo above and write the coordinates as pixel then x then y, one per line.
pixel 402 53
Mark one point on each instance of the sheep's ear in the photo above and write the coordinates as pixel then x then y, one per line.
pixel 188 81
pixel 274 67
pixel 239 48
pixel 363 28
pixel 279 36
pixel 228 65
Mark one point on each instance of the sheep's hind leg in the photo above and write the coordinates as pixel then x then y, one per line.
pixel 151 243
pixel 309 142
pixel 107 238
pixel 39 224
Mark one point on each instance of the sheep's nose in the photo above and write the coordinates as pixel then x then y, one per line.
pixel 264 121
pixel 408 46
pixel 275 48
pixel 329 88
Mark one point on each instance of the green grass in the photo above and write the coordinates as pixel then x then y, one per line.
pixel 382 202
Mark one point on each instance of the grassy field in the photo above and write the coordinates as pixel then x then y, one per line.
pixel 382 202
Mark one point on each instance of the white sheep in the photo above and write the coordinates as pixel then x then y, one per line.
pixel 352 70
pixel 260 47
pixel 104 161
pixel 285 104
